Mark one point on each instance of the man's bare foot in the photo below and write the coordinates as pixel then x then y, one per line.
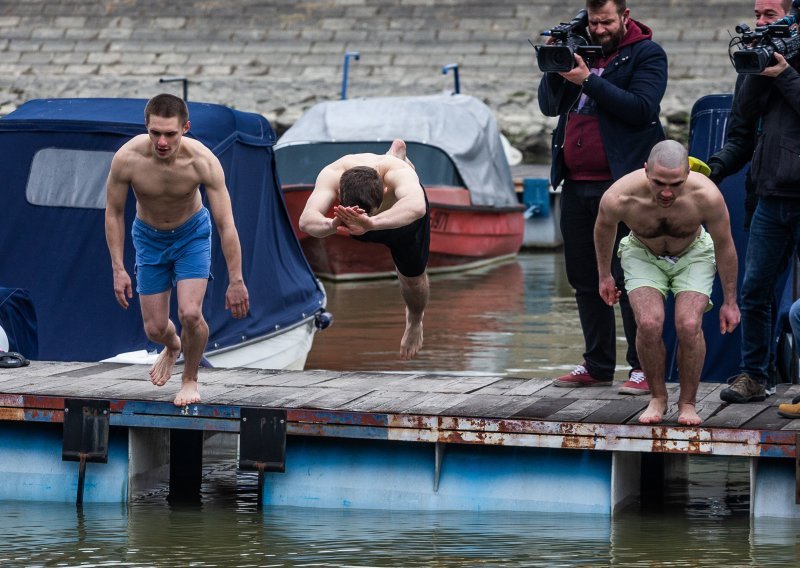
pixel 398 149
pixel 188 393
pixel 161 370
pixel 412 341
pixel 687 414
pixel 654 412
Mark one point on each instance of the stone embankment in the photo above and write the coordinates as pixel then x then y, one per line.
pixel 278 57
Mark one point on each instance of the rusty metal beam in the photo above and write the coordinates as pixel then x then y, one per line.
pixel 434 429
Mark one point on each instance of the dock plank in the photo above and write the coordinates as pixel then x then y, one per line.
pixel 334 399
pixel 303 378
pixel 503 386
pixel 437 403
pixel 488 405
pixel 735 415
pixel 575 412
pixel 104 370
pixel 348 383
pixel 18 384
pixel 530 387
pixel 708 392
pixel 387 401
pixel 543 408
pixel 768 419
pixel 271 396
pixel 259 395
pixel 48 368
pixel 433 383
pixel 245 377
pixel 75 387
pixel 618 411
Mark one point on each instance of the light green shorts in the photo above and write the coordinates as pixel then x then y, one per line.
pixel 692 271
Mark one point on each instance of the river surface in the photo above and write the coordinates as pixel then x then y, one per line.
pixel 516 319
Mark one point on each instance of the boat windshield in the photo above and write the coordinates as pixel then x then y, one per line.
pixel 299 164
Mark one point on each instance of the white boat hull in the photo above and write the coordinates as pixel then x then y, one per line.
pixel 286 350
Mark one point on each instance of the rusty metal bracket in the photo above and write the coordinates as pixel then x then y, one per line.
pixel 262 443
pixel 85 435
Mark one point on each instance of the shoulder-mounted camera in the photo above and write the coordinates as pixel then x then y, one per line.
pixel 567 39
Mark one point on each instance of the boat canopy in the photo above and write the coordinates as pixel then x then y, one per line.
pixel 461 126
pixel 55 156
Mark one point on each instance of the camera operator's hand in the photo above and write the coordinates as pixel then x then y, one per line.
pixel 577 74
pixel 778 68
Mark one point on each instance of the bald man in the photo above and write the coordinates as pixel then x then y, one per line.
pixel 666 207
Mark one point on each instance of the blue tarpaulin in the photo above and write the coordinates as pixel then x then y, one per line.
pixel 52 234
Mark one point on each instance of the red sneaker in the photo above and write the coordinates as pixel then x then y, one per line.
pixel 636 384
pixel 579 377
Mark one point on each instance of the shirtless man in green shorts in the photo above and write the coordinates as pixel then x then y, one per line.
pixel 172 236
pixel 665 205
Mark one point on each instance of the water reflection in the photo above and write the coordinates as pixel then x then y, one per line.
pixel 518 317
pixel 702 522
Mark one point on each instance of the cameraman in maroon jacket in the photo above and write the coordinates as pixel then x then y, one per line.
pixel 608 113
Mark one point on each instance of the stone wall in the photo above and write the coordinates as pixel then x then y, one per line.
pixel 278 57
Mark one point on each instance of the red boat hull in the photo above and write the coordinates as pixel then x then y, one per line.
pixel 462 236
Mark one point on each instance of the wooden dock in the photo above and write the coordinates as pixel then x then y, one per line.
pixel 442 410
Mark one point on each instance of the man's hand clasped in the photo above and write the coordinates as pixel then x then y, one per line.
pixel 351 220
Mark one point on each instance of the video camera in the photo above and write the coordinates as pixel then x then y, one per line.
pixel 757 47
pixel 567 39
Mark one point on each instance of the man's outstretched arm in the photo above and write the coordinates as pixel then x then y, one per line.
pixel 116 195
pixel 326 191
pixel 237 299
pixel 605 233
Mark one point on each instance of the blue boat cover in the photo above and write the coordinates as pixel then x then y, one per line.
pixel 52 234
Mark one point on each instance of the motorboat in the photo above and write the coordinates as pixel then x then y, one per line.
pixel 455 145
pixel 56 155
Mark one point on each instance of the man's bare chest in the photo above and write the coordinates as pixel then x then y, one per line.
pixel 150 182
pixel 671 226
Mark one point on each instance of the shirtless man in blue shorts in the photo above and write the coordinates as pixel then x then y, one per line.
pixel 381 201
pixel 665 206
pixel 172 236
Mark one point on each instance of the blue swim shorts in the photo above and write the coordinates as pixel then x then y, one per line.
pixel 165 256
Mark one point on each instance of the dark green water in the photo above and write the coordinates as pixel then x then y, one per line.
pixel 515 319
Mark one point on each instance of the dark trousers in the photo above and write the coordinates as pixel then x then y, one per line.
pixel 580 202
pixel 774 237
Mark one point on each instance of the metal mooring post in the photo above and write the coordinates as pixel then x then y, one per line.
pixel 182 80
pixel 262 443
pixel 85 436
pixel 346 70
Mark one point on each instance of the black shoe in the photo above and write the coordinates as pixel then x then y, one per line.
pixel 743 389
